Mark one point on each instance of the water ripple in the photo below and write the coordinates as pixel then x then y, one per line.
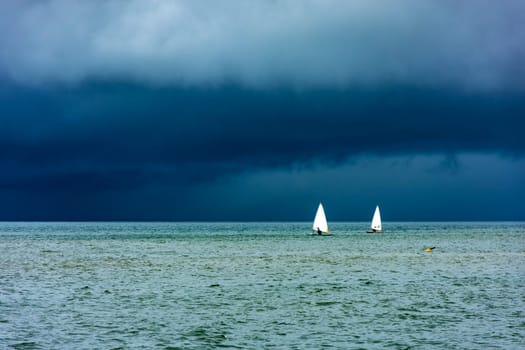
pixel 208 286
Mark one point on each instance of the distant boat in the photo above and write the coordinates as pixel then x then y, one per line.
pixel 376 227
pixel 320 226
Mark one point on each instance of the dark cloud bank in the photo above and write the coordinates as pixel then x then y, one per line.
pixel 196 111
pixel 163 147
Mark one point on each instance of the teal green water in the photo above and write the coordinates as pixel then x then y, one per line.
pixel 261 285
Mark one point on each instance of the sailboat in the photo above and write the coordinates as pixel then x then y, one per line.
pixel 320 226
pixel 376 222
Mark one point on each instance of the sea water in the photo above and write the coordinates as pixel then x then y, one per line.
pixel 261 285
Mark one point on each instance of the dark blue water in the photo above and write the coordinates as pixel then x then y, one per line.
pixel 261 285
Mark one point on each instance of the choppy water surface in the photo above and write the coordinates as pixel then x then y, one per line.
pixel 263 285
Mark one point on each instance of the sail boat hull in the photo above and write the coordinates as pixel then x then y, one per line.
pixel 321 234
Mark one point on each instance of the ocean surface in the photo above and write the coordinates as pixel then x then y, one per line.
pixel 261 286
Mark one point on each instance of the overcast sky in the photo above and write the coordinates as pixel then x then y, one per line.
pixel 258 110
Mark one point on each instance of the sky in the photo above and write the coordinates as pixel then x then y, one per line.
pixel 258 110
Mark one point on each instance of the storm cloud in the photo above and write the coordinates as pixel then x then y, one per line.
pixel 264 44
pixel 159 110
pixel 140 134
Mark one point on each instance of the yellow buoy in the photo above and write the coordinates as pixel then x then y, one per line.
pixel 428 249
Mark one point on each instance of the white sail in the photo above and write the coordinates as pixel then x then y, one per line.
pixel 320 220
pixel 376 221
